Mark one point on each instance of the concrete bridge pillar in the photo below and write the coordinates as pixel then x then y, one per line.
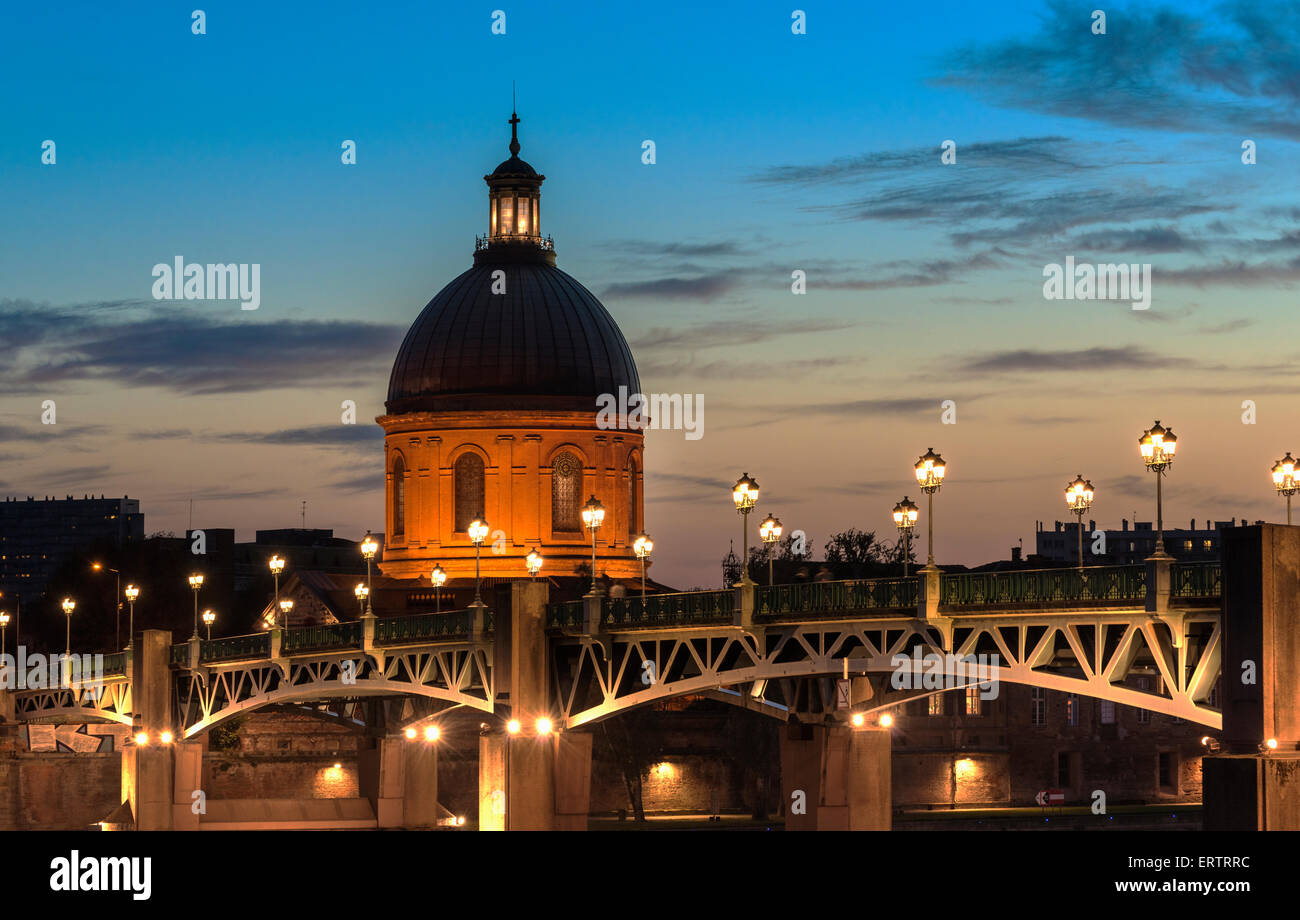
pixel 400 778
pixel 147 772
pixel 835 777
pixel 530 780
pixel 1246 788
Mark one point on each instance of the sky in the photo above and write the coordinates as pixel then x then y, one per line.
pixel 776 152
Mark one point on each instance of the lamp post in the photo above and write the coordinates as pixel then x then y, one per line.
pixel 361 592
pixel 745 496
pixel 69 605
pixel 769 532
pixel 1157 446
pixel 905 515
pixel 1286 480
pixel 478 531
pixel 593 515
pixel 277 566
pixel 368 549
pixel 286 608
pixel 196 582
pixel 643 546
pixel 534 562
pixel 132 592
pixel 1078 496
pixel 930 470
pixel 208 619
pixel 4 624
pixel 117 599
pixel 439 578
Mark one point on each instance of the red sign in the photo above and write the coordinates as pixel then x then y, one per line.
pixel 1050 797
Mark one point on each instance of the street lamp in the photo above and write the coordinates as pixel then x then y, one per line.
pixel 1078 495
pixel 277 566
pixel 361 592
pixel 368 549
pixel 208 619
pixel 132 592
pixel 593 515
pixel 117 594
pixel 69 605
pixel 478 531
pixel 769 532
pixel 196 582
pixel 905 515
pixel 745 495
pixel 930 470
pixel 1286 480
pixel 1157 446
pixel 534 562
pixel 4 624
pixel 643 546
pixel 439 578
pixel 286 608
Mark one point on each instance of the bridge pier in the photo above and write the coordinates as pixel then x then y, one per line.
pixel 836 778
pixel 147 770
pixel 400 778
pixel 1246 787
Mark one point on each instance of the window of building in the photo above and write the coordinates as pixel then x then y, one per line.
pixel 1107 712
pixel 1144 715
pixel 507 220
pixel 936 704
pixel 973 700
pixel 1209 546
pixel 469 490
pixel 1167 770
pixel 566 494
pixel 1071 710
pixel 399 496
pixel 524 225
pixel 1038 712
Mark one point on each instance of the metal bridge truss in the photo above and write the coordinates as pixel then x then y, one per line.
pixel 459 674
pixel 108 700
pixel 1087 653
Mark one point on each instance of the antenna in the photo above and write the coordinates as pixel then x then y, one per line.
pixel 304 515
pixel 191 527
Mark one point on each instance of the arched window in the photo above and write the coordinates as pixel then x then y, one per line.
pixel 566 493
pixel 469 490
pixel 633 506
pixel 399 497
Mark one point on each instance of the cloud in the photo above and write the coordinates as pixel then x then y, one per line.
pixel 723 333
pixel 1138 239
pixel 1080 359
pixel 705 287
pixel 319 435
pixel 185 350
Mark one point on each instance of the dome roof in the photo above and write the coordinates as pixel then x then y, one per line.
pixel 547 343
pixel 514 168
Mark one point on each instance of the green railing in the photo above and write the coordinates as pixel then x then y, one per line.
pixel 836 596
pixel 322 638
pixel 397 630
pixel 231 648
pixel 564 615
pixel 115 663
pixel 684 609
pixel 1035 586
pixel 1196 579
pixel 180 653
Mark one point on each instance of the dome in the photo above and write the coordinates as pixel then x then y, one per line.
pixel 547 343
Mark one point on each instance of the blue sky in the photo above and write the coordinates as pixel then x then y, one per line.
pixel 775 152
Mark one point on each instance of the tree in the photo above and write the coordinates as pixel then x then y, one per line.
pixel 633 743
pixel 858 551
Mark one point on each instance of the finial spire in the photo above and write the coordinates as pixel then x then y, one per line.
pixel 514 134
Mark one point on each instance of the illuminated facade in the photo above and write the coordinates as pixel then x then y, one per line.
pixel 492 412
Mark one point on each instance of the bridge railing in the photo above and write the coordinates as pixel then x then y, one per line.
pixel 416 627
pixel 678 609
pixel 322 638
pixel 115 663
pixel 1196 579
pixel 230 648
pixel 836 596
pixel 1092 584
pixel 564 615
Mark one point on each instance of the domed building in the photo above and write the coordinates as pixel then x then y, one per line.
pixel 491 412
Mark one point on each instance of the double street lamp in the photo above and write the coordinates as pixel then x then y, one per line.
pixel 1157 446
pixel 132 592
pixel 745 496
pixel 368 549
pixel 286 608
pixel 533 561
pixel 277 566
pixel 208 619
pixel 361 592
pixel 643 546
pixel 68 605
pixel 478 531
pixel 593 515
pixel 1078 496
pixel 930 470
pixel 438 578
pixel 4 624
pixel 905 515
pixel 770 532
pixel 196 582
pixel 1286 480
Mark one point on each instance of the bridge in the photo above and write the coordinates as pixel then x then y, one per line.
pixel 778 649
